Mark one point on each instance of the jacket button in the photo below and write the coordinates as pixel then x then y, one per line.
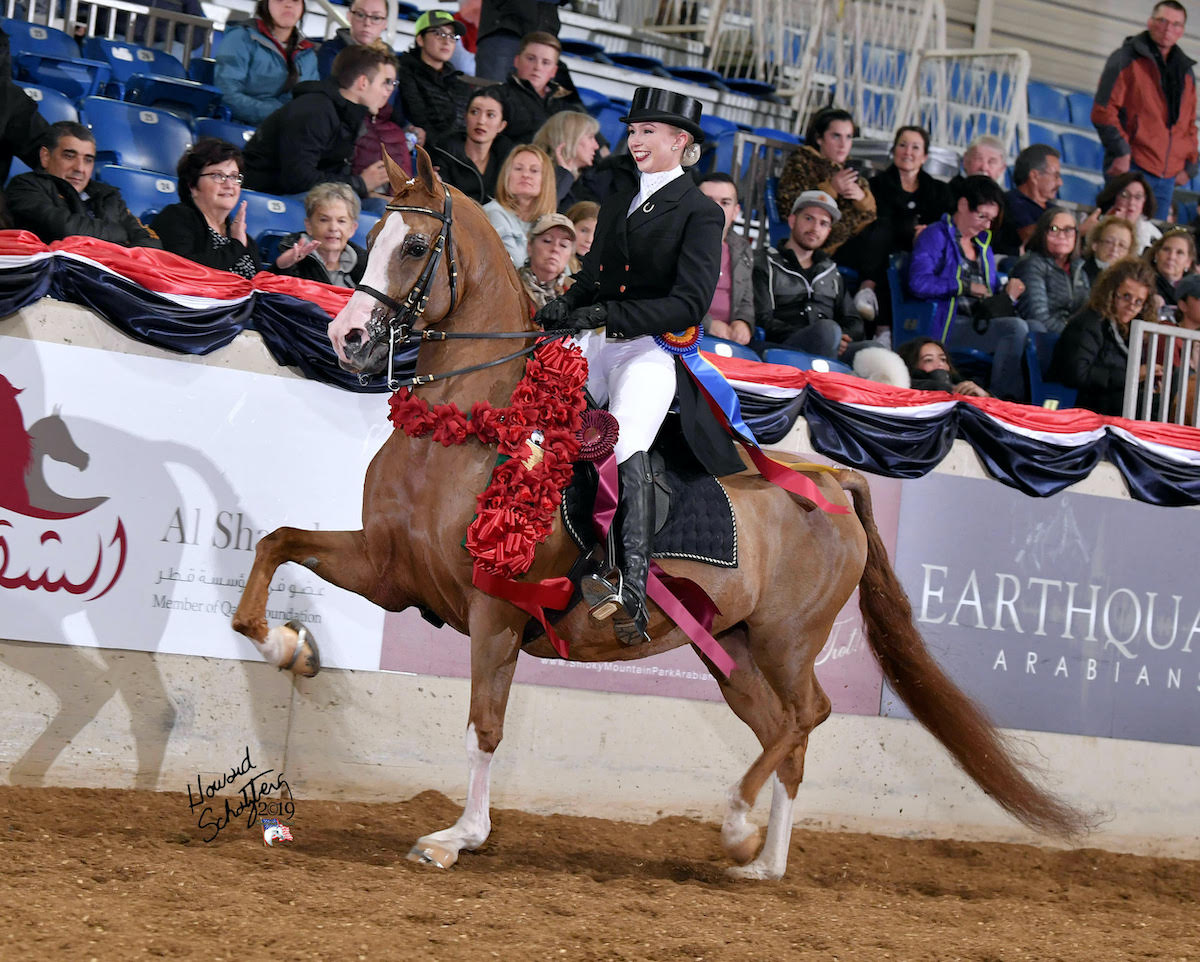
pixel 621 289
pixel 601 267
pixel 626 267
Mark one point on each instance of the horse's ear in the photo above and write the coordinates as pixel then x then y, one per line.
pixel 426 174
pixel 397 178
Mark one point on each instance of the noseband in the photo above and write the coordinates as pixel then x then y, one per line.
pixel 401 322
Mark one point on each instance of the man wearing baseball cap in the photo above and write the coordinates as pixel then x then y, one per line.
pixel 432 92
pixel 799 294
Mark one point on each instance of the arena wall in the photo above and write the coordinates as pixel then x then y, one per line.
pixel 98 715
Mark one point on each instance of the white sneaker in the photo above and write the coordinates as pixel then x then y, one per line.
pixel 866 303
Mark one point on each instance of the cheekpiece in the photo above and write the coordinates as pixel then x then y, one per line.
pixel 652 104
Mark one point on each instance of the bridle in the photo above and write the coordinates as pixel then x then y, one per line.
pixel 401 322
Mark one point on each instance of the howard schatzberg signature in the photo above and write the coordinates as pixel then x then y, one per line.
pixel 237 790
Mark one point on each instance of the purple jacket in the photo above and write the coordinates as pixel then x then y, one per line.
pixel 938 267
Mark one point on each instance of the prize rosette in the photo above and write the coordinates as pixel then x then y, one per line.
pixel 683 342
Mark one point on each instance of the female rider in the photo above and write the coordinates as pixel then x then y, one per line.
pixel 651 271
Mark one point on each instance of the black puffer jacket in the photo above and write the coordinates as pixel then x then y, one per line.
pixel 525 111
pixel 53 209
pixel 788 298
pixel 457 170
pixel 21 126
pixel 308 141
pixel 519 16
pixel 1052 295
pixel 1091 357
pixel 435 100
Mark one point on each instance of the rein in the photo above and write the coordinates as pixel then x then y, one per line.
pixel 401 323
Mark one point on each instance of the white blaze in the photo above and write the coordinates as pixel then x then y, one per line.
pixel 356 313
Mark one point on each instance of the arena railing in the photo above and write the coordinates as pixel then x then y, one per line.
pixel 757 160
pixel 1169 397
pixel 958 95
pixel 180 33
pixel 864 54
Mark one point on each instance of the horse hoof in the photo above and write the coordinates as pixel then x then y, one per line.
pixel 755 871
pixel 306 657
pixel 431 853
pixel 743 850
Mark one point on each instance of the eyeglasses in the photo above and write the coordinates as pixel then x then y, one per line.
pixel 443 35
pixel 1130 195
pixel 371 18
pixel 1169 24
pixel 1115 243
pixel 1062 229
pixel 222 178
pixel 1131 299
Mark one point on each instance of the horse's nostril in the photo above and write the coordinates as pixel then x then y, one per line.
pixel 354 338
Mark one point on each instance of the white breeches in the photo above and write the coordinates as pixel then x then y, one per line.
pixel 636 379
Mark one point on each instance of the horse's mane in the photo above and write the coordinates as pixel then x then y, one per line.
pixel 13 436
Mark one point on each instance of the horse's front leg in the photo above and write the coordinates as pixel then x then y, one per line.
pixel 495 643
pixel 340 557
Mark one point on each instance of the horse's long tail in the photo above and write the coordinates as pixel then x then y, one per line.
pixel 938 704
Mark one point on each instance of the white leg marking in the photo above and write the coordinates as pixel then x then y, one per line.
pixel 475 824
pixel 772 860
pixel 279 646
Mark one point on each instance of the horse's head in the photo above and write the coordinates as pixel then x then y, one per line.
pixel 410 271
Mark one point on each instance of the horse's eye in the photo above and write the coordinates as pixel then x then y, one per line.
pixel 418 249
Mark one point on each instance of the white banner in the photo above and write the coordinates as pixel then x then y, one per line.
pixel 133 491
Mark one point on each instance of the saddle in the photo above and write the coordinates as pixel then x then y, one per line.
pixel 693 516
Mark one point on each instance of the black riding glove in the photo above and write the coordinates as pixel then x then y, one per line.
pixel 553 316
pixel 586 318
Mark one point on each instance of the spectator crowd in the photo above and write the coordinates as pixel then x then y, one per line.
pixel 1002 268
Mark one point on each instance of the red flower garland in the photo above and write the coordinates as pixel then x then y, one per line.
pixel 537 437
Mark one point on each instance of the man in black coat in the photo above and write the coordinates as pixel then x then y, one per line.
pixel 21 126
pixel 530 93
pixel 61 200
pixel 310 140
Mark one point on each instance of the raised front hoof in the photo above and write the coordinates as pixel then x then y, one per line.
pixel 743 850
pixel 755 871
pixel 432 853
pixel 305 658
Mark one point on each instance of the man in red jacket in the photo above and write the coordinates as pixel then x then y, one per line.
pixel 1145 108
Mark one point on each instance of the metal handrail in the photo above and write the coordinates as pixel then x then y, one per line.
pixel 1173 397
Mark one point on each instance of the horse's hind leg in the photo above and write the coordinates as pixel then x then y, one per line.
pixel 340 557
pixel 495 643
pixel 782 725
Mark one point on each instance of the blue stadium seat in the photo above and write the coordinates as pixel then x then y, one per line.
pixel 804 361
pixel 152 77
pixel 609 115
pixel 365 222
pixel 723 151
pixel 1081 109
pixel 759 89
pixel 724 348
pixel 203 70
pixel 776 134
pixel 1039 348
pixel 135 136
pixel 777 227
pixel 911 318
pixel 268 216
pixel 1083 152
pixel 52 104
pixel 713 126
pixel 587 49
pixel 593 100
pixel 145 192
pixel 228 130
pixel 1048 103
pixel 1078 190
pixel 1044 135
pixel 698 75
pixel 407 11
pixel 50 58
pixel 643 63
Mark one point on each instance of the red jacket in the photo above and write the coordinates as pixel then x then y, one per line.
pixel 1134 115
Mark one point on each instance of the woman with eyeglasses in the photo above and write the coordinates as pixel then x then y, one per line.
pixel 204 227
pixel 1110 240
pixel 261 60
pixel 1056 285
pixel 1093 352
pixel 1129 196
pixel 1172 256
pixel 432 92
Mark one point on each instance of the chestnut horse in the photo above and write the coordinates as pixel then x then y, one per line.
pixel 796 570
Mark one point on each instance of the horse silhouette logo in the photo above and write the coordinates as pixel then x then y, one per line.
pixel 27 501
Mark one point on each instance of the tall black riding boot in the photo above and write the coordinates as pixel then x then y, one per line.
pixel 626 603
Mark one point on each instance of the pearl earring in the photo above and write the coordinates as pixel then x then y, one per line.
pixel 674 148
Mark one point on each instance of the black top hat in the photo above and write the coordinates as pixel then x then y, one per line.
pixel 679 110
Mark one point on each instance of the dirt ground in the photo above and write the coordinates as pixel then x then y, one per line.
pixel 120 875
